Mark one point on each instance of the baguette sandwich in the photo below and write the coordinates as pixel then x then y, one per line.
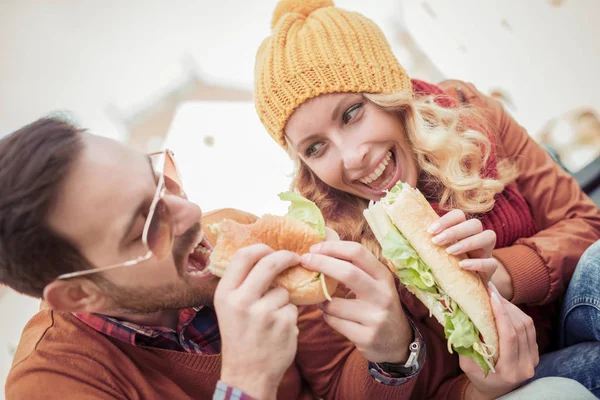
pixel 455 297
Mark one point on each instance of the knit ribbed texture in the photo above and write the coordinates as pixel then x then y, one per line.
pixel 316 48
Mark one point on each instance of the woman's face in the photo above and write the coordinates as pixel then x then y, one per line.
pixel 351 144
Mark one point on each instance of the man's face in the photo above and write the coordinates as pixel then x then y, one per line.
pixel 102 209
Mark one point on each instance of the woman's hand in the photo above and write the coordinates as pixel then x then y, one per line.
pixel 373 319
pixel 517 353
pixel 464 236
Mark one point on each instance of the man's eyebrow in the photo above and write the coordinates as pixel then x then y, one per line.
pixel 138 210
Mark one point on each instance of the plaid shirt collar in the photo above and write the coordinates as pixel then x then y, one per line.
pixel 197 331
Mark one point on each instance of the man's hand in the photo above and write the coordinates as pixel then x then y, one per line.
pixel 257 323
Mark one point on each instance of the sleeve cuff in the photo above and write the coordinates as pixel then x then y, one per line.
pixel 528 272
pixel 386 379
pixel 225 392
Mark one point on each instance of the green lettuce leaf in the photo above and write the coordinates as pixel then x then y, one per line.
pixel 461 335
pixel 390 197
pixel 409 267
pixel 304 210
pixel 460 331
pixel 469 352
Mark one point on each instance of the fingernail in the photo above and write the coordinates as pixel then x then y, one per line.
pixel 455 248
pixel 466 264
pixel 441 238
pixel 496 299
pixel 434 228
pixel 494 288
pixel 315 248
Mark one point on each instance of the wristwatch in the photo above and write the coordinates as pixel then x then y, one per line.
pixel 416 358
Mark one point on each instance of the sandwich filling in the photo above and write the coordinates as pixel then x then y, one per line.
pixel 462 335
pixel 306 211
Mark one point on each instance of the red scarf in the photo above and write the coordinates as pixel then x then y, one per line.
pixel 510 218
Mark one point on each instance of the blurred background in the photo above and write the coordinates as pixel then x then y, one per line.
pixel 179 74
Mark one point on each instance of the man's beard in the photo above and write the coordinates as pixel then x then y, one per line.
pixel 175 295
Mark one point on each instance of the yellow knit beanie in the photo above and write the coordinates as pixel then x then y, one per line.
pixel 317 48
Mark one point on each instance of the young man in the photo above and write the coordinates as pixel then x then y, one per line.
pixel 106 237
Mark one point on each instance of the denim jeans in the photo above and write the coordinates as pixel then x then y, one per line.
pixel 553 388
pixel 579 355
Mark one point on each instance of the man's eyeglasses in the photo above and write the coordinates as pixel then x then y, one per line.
pixel 158 229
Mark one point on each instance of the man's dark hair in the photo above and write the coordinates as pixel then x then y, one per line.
pixel 34 162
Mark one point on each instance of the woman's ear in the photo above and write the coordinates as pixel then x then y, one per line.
pixel 75 295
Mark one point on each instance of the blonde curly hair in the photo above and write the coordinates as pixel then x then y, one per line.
pixel 451 147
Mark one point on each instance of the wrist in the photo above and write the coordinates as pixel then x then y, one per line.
pixel 407 336
pixel 256 387
pixel 411 364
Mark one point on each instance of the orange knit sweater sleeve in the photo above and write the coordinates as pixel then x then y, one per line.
pixel 568 221
pixel 334 368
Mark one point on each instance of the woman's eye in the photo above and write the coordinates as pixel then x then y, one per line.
pixel 351 112
pixel 312 149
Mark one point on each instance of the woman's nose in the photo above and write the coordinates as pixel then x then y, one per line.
pixel 354 157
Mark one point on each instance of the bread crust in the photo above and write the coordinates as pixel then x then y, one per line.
pixel 279 233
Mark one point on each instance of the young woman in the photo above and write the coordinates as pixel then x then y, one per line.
pixel 329 90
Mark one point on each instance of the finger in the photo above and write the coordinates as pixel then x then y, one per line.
pixel 347 273
pixel 457 232
pixel 485 267
pixel 241 264
pixel 469 366
pixel 353 331
pixel 348 309
pixel 275 298
pixel 452 218
pixel 508 351
pixel 521 332
pixel 266 269
pixel 330 235
pixel 289 313
pixel 479 245
pixel 527 340
pixel 355 253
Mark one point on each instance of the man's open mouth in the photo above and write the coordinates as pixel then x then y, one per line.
pixel 199 257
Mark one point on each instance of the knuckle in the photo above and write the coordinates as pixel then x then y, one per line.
pixel 236 306
pixel 513 378
pixel 477 224
pixel 458 214
pixel 520 329
pixel 356 251
pixel 389 298
pixel 511 338
pixel 529 325
pixel 530 371
pixel 350 275
pixel 370 337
